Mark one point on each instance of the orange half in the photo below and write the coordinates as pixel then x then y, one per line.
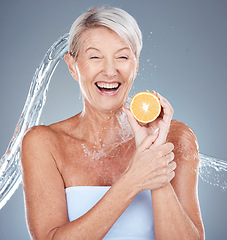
pixel 145 107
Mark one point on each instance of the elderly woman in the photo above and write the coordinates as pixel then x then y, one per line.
pixel 90 177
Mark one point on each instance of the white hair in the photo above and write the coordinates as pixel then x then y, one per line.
pixel 113 18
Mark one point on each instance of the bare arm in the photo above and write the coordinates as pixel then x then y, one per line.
pixel 45 194
pixel 176 207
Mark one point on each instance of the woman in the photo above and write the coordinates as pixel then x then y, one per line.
pixel 88 177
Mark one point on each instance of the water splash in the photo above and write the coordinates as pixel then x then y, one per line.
pixel 117 136
pixel 10 168
pixel 212 170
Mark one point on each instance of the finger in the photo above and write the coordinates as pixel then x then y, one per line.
pixel 164 153
pixel 165 170
pixel 165 103
pixel 153 91
pixel 163 99
pixel 171 167
pixel 170 176
pixel 168 158
pixel 166 149
pixel 161 180
pixel 153 127
pixel 167 109
pixel 148 141
pixel 164 157
pixel 163 132
pixel 163 120
pixel 166 176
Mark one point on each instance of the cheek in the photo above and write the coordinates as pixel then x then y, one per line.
pixel 131 71
pixel 82 69
pixel 89 71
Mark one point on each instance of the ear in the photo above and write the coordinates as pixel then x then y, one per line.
pixel 70 61
pixel 137 66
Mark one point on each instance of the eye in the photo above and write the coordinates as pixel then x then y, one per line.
pixel 123 57
pixel 94 57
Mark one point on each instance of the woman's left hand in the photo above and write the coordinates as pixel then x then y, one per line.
pixel 160 124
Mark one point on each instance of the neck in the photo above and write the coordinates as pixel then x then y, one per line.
pixel 104 127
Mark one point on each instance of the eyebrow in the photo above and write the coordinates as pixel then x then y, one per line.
pixel 91 48
pixel 119 50
pixel 124 48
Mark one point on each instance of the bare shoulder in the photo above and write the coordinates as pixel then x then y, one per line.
pixel 39 146
pixel 38 136
pixel 46 135
pixel 183 138
pixel 186 149
pixel 38 132
pixel 43 144
pixel 186 157
pixel 181 129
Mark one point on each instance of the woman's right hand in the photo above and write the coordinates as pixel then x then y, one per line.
pixel 151 168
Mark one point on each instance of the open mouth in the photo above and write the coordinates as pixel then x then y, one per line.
pixel 107 88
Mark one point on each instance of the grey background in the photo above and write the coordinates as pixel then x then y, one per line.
pixel 184 58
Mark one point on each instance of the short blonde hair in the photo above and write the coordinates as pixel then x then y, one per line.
pixel 113 18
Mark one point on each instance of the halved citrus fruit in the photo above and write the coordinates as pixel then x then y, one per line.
pixel 145 107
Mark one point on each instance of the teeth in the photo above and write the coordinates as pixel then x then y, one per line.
pixel 107 85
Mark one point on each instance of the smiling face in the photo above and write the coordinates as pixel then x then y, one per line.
pixel 105 69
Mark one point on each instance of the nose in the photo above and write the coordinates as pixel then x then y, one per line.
pixel 109 68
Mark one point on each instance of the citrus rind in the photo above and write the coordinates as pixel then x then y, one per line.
pixel 141 102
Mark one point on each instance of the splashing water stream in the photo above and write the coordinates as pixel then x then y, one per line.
pixel 211 169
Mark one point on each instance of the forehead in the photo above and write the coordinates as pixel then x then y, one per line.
pixel 102 37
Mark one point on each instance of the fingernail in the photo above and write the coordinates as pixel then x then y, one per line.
pixel 155 131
